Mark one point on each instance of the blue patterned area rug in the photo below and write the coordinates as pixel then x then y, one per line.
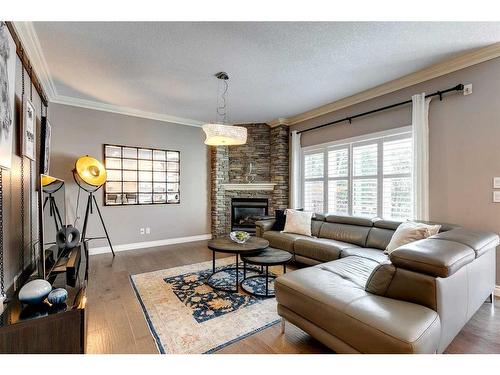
pixel 186 316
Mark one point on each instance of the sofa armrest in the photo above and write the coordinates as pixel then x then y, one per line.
pixel 262 226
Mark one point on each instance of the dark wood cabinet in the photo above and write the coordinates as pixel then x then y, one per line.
pixel 44 330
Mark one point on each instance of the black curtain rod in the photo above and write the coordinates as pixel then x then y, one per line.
pixel 349 119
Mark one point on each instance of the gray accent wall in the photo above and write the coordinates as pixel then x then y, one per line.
pixel 464 136
pixel 79 131
pixel 16 256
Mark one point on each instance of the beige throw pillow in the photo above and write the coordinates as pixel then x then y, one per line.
pixel 298 222
pixel 409 232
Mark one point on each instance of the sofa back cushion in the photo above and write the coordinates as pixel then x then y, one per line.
pixel 388 281
pixel 433 256
pixel 381 233
pixel 379 238
pixel 346 229
pixel 316 223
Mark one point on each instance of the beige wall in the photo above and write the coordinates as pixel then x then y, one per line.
pixel 464 143
pixel 78 131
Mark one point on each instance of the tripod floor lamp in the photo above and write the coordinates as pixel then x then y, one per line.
pixel 50 186
pixel 90 175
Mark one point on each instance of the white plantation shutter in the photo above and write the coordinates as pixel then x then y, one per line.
pixel 369 176
pixel 364 180
pixel 364 159
pixel 313 196
pixel 314 182
pixel 338 180
pixel 397 196
pixel 338 162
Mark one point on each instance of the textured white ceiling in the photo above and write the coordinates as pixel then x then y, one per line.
pixel 276 69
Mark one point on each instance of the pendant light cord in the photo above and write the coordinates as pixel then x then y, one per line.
pixel 222 103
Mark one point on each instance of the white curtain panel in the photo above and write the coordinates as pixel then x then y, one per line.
pixel 295 152
pixel 420 130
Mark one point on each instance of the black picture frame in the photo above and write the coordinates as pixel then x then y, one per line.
pixel 137 192
pixel 45 135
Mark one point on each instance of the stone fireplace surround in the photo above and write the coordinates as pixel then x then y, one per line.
pixel 267 148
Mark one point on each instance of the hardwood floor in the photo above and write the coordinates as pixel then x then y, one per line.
pixel 116 323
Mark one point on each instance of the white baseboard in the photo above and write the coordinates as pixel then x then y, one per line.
pixel 496 292
pixel 145 244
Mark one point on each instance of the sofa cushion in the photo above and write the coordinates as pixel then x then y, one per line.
pixel 330 297
pixel 410 232
pixel 393 225
pixel 379 238
pixel 351 220
pixel 480 242
pixel 316 226
pixel 298 222
pixel 380 279
pixel 376 255
pixel 280 218
pixel 344 232
pixel 356 270
pixel 282 241
pixel 321 249
pixel 435 257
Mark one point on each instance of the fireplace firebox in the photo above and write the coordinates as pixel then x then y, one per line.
pixel 246 211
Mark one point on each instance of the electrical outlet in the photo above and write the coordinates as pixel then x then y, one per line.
pixel 496 197
pixel 148 230
pixel 468 89
pixel 142 231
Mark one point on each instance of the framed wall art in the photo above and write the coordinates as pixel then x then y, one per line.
pixel 28 130
pixel 7 91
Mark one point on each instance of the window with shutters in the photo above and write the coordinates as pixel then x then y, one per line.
pixel 364 176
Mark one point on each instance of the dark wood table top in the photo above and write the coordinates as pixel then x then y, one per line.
pixel 268 257
pixel 226 245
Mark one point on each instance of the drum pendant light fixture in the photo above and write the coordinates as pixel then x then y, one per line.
pixel 219 133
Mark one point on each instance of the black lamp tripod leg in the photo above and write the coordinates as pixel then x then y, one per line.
pixel 103 225
pixel 85 221
pixel 57 215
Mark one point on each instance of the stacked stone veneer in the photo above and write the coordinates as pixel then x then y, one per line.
pixel 267 149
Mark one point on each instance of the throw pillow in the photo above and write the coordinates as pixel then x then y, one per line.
pixel 298 222
pixel 409 232
pixel 280 217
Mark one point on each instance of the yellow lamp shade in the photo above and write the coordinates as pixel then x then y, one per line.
pixel 47 180
pixel 91 171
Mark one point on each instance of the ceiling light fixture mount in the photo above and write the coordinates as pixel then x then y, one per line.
pixel 219 133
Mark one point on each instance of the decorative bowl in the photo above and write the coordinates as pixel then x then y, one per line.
pixel 239 236
pixel 34 292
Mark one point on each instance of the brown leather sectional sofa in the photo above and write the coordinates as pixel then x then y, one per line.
pixel 356 299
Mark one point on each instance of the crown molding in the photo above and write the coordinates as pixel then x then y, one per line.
pixel 448 66
pixel 278 122
pixel 99 106
pixel 29 39
pixel 33 49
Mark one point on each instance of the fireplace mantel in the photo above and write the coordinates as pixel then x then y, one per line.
pixel 260 186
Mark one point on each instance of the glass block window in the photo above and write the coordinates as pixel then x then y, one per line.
pixel 139 175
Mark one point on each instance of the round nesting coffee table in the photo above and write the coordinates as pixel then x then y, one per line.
pixel 226 245
pixel 268 257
